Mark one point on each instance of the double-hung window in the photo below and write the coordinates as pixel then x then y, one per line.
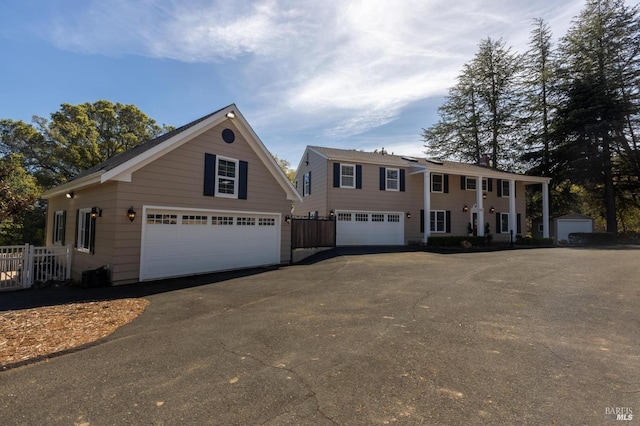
pixel 471 184
pixel 393 180
pixel 347 176
pixel 59 219
pixel 504 223
pixel 505 188
pixel 86 230
pixel 437 184
pixel 438 221
pixel 227 178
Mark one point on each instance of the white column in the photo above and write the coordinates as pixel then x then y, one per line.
pixel 512 207
pixel 479 205
pixel 427 205
pixel 545 210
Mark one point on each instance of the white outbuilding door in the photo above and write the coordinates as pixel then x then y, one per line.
pixel 568 226
pixel 187 242
pixel 362 228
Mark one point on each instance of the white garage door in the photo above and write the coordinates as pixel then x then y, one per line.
pixel 177 242
pixel 357 228
pixel 567 226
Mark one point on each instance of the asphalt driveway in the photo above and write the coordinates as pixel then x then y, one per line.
pixel 544 336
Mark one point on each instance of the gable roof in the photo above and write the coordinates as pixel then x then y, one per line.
pixel 420 165
pixel 120 167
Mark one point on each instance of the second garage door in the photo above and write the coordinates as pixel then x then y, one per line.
pixel 183 242
pixel 360 228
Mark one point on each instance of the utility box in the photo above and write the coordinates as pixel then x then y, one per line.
pixel 96 277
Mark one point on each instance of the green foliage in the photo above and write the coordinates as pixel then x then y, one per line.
pixel 537 242
pixel 455 241
pixel 592 238
pixel 18 188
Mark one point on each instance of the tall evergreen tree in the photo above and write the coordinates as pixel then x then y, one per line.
pixel 477 116
pixel 599 72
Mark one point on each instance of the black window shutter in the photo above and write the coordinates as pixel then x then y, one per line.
pixel 490 184
pixel 422 221
pixel 92 237
pixel 383 178
pixel 445 184
pixel 463 182
pixel 209 175
pixel 336 175
pixel 499 183
pixel 498 221
pixel 358 177
pixel 402 180
pixel 243 174
pixel 518 225
pixel 448 220
pixel 515 193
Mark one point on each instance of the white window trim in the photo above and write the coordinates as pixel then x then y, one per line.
pixel 441 182
pixel 305 185
pixel 471 179
pixel 58 227
pixel 502 230
pixel 234 178
pixel 505 185
pixel 397 180
pixel 84 226
pixel 353 168
pixel 435 222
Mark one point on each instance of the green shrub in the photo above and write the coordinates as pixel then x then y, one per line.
pixel 592 238
pixel 454 241
pixel 542 242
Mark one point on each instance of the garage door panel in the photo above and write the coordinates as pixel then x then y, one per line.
pixel 207 242
pixel 369 228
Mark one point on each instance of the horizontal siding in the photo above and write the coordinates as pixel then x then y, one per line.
pixel 317 201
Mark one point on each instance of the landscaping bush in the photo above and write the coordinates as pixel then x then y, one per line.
pixel 592 238
pixel 454 241
pixel 538 242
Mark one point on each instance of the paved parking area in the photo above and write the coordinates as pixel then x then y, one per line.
pixel 543 336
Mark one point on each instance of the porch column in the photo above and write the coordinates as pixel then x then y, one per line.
pixel 545 210
pixel 512 207
pixel 427 206
pixel 479 205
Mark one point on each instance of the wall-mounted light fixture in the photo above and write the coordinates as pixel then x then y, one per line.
pixel 287 218
pixel 131 214
pixel 465 208
pixel 408 215
pixel 96 212
pixel 484 195
pixel 332 213
pixel 492 209
pixel 231 115
pixel 70 194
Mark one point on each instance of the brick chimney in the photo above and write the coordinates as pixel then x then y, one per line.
pixel 483 160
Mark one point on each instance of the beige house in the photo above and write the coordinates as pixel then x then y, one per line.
pixel 205 197
pixel 381 199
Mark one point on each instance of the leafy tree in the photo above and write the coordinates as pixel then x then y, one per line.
pixel 76 138
pixel 18 188
pixel 286 168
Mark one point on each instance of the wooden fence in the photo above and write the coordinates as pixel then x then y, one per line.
pixel 313 232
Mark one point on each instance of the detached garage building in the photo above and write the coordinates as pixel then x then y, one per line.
pixel 570 223
pixel 205 197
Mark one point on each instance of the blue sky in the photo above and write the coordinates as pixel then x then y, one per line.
pixel 348 74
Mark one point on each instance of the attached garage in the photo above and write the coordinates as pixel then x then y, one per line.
pixel 373 228
pixel 179 242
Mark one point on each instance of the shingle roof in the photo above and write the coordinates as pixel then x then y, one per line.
pixel 127 155
pixel 408 161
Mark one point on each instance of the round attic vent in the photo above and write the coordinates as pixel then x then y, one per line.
pixel 228 136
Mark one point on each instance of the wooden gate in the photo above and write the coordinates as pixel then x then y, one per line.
pixel 313 232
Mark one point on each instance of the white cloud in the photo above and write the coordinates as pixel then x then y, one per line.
pixel 348 66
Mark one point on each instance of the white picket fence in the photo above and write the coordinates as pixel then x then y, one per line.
pixel 22 266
